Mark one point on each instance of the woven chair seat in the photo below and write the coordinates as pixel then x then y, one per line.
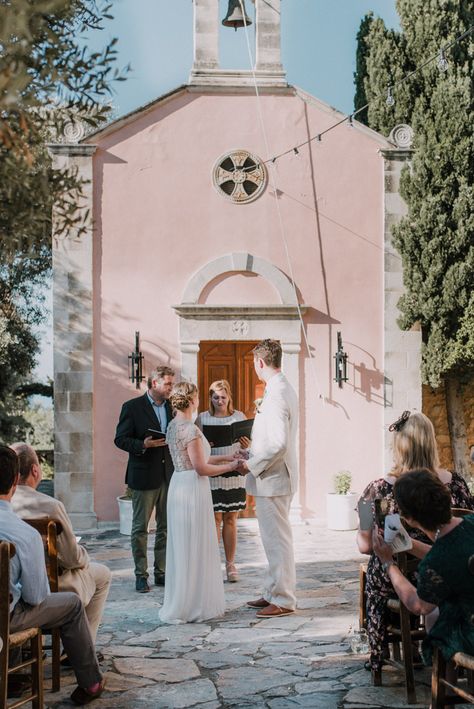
pixel 22 636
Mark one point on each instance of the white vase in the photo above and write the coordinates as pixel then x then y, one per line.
pixel 342 511
pixel 126 514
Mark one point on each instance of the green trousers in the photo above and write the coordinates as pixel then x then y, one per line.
pixel 143 503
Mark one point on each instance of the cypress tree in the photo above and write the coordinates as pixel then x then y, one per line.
pixel 436 238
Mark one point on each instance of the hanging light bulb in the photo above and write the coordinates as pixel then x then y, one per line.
pixel 443 64
pixel 296 151
pixel 390 101
pixel 350 122
pixel 319 139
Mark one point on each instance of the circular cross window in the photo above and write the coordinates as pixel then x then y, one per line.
pixel 239 176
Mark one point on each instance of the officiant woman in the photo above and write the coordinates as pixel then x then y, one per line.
pixel 228 490
pixel 414 447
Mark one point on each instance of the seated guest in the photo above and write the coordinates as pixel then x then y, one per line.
pixel 414 447
pixel 445 588
pixel 32 603
pixel 91 581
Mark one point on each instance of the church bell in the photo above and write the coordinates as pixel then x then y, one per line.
pixel 235 17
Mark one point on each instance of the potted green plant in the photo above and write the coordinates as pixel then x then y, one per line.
pixel 342 503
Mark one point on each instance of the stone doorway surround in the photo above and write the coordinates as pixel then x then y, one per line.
pixel 198 321
pixel 280 321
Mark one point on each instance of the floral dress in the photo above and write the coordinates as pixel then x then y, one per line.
pixel 378 585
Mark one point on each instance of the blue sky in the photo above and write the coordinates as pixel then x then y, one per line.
pixel 318 45
pixel 156 38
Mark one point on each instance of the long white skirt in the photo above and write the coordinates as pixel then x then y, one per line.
pixel 194 589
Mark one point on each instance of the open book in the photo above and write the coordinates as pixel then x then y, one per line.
pixel 396 535
pixel 221 436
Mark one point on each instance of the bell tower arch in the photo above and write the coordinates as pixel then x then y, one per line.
pixel 268 68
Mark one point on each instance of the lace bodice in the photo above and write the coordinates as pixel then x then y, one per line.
pixel 179 435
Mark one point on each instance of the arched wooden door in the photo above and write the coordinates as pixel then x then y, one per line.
pixel 232 361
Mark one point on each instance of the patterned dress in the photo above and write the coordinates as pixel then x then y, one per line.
pixel 228 490
pixel 378 585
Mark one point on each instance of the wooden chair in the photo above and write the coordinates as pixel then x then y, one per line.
pixel 461 512
pixel 463 694
pixel 362 596
pixel 50 529
pixel 403 635
pixel 15 640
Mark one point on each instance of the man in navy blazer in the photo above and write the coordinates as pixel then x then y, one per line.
pixel 149 470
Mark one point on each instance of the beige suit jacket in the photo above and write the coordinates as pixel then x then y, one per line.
pixel 73 558
pixel 273 461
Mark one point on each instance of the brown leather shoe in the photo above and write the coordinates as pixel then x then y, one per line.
pixel 83 696
pixel 273 611
pixel 259 603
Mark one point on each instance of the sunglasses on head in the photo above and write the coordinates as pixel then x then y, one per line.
pixel 400 422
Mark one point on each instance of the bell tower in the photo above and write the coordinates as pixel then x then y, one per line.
pixel 268 69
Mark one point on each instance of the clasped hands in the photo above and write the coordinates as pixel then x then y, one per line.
pixel 242 456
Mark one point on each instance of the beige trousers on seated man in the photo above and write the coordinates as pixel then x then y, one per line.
pixel 91 581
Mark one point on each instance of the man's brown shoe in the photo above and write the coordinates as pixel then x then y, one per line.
pixel 273 611
pixel 83 696
pixel 259 603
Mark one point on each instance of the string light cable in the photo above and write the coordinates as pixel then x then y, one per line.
pixel 280 218
pixel 443 65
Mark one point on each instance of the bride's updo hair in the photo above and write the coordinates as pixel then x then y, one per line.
pixel 182 395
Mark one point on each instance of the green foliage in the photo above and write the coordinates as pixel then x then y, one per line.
pixel 48 79
pixel 360 97
pixel 436 238
pixel 342 482
pixel 41 422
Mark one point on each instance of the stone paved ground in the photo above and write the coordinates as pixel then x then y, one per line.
pixel 239 661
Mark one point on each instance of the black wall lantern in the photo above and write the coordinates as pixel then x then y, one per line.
pixel 340 363
pixel 135 363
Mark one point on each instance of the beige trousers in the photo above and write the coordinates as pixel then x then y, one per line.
pixel 277 538
pixel 92 586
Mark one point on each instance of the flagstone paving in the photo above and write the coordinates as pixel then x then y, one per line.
pixel 240 661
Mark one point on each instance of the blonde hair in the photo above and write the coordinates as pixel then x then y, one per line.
pixel 414 445
pixel 270 351
pixel 221 384
pixel 182 395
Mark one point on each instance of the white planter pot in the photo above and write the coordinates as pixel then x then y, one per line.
pixel 126 514
pixel 342 511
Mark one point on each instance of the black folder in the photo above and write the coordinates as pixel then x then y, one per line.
pixel 221 436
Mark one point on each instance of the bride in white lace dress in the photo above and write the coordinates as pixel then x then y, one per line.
pixel 194 588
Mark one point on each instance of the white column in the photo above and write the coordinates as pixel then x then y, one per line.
pixel 402 378
pixel 268 40
pixel 206 35
pixel 73 354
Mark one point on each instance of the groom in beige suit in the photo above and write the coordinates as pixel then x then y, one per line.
pixel 272 478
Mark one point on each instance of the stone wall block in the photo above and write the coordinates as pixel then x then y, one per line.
pixel 73 382
pixel 80 401
pixel 75 422
pixel 80 442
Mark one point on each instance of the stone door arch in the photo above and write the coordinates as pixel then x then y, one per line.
pixel 199 321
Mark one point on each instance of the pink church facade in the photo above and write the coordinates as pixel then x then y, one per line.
pixel 171 256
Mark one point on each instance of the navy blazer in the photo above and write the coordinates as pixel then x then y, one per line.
pixel 149 469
